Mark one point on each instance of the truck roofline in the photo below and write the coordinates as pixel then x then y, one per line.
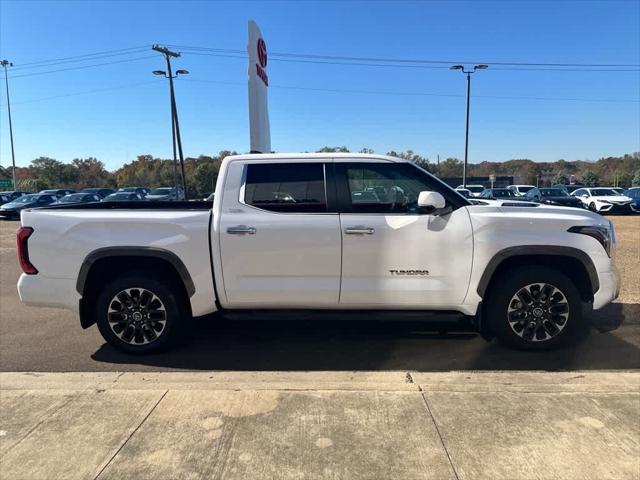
pixel 310 156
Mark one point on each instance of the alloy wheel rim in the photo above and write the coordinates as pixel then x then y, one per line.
pixel 137 316
pixel 538 312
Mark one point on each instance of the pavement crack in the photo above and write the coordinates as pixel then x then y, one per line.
pixel 131 435
pixel 435 424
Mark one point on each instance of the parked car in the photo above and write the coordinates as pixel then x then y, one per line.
pixel 634 194
pixel 4 199
pixel 101 192
pixel 496 193
pixel 143 191
pixel 553 196
pixel 13 208
pixel 475 190
pixel 522 271
pixel 520 190
pixel 465 192
pixel 13 194
pixel 604 200
pixel 58 192
pixel 79 198
pixel 166 193
pixel 569 188
pixel 124 197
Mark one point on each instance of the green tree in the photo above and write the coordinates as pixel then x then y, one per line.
pixel 53 173
pixel 636 179
pixel 342 149
pixel 590 179
pixel 561 179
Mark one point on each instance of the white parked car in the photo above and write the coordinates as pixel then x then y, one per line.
pixel 475 190
pixel 521 190
pixel 604 200
pixel 319 232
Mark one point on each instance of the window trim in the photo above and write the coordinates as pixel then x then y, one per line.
pixel 329 187
pixel 345 205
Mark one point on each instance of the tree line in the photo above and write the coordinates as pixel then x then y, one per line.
pixel 201 172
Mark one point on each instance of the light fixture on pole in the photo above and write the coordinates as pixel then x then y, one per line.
pixel 466 135
pixel 5 64
pixel 175 125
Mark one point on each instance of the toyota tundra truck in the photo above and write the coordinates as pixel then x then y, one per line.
pixel 347 232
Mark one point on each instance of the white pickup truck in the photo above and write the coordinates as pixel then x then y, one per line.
pixel 319 232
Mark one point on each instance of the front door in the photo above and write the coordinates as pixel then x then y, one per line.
pixel 394 256
pixel 280 247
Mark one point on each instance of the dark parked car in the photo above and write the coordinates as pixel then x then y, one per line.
pixel 13 208
pixel 4 199
pixel 124 197
pixel 553 196
pixel 139 190
pixel 634 194
pixel 568 188
pixel 14 194
pixel 499 194
pixel 58 192
pixel 79 198
pixel 101 192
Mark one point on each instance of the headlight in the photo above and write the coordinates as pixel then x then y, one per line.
pixel 550 202
pixel 603 235
pixel 604 201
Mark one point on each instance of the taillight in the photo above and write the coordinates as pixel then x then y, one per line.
pixel 23 250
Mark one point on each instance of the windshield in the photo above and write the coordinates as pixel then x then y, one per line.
pixel 603 192
pixel 76 197
pixel 525 188
pixel 118 196
pixel 553 192
pixel 26 199
pixel 502 192
pixel 161 191
pixel 475 188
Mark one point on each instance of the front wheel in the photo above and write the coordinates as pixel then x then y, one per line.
pixel 592 207
pixel 534 308
pixel 138 314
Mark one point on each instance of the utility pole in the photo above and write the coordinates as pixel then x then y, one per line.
pixel 175 125
pixel 5 64
pixel 466 134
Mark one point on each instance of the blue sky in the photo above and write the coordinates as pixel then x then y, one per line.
pixel 572 115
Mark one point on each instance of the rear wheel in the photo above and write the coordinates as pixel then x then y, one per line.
pixel 534 308
pixel 138 314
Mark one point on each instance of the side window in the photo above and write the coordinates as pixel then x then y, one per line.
pixel 385 187
pixel 286 187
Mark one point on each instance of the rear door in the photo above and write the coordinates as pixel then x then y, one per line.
pixel 393 255
pixel 280 244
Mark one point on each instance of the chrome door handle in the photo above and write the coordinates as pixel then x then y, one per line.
pixel 241 230
pixel 359 230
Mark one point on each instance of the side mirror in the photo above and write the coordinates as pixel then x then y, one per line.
pixel 429 202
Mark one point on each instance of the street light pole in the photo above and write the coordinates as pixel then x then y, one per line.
pixel 466 131
pixel 5 64
pixel 175 125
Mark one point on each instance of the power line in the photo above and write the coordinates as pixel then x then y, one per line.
pixel 387 65
pixel 422 94
pixel 406 60
pixel 82 67
pixel 85 92
pixel 65 59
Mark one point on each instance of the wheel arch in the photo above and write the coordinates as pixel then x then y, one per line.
pixel 104 263
pixel 571 261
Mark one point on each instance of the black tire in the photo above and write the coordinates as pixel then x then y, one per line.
pixel 539 319
pixel 592 207
pixel 171 307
